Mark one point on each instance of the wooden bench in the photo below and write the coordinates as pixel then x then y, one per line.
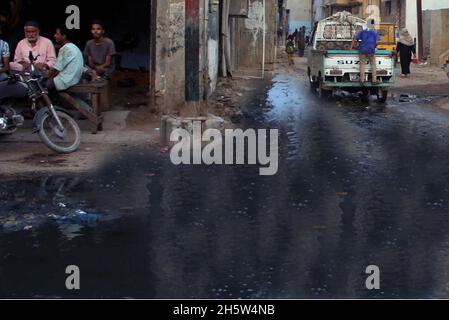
pixel 98 96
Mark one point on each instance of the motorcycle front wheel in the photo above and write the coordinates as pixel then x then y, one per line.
pixel 62 141
pixel 8 112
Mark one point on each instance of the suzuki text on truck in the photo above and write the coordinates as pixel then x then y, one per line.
pixel 332 66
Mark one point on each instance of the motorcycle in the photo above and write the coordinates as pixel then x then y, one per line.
pixel 56 128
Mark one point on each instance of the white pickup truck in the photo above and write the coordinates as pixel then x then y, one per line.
pixel 333 66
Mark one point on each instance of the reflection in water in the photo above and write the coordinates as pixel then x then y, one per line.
pixel 352 190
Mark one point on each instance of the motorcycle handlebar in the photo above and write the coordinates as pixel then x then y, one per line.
pixel 32 60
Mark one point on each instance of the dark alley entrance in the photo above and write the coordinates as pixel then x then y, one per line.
pixel 131 26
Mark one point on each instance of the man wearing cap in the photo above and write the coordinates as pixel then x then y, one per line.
pixel 41 47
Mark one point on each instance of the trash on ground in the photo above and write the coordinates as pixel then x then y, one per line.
pixel 18 221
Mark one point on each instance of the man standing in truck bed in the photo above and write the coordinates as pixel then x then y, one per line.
pixel 368 39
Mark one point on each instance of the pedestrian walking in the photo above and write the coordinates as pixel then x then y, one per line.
pixel 280 33
pixel 290 49
pixel 406 49
pixel 301 41
pixel 295 34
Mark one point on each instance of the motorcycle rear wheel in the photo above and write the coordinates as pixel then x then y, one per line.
pixel 64 142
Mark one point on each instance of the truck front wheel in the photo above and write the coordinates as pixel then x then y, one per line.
pixel 313 84
pixel 365 96
pixel 312 81
pixel 321 91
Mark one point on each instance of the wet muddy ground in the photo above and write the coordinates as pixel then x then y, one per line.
pixel 356 186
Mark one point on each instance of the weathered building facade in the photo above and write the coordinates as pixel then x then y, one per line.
pixel 300 14
pixel 186 52
pixel 436 39
pixel 252 38
pixel 318 10
pixel 393 11
pixel 197 41
pixel 282 22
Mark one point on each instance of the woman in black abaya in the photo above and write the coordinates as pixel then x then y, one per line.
pixel 407 51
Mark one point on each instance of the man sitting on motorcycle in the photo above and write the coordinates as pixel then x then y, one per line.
pixel 41 47
pixel 69 66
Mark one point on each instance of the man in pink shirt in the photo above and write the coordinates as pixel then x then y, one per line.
pixel 41 47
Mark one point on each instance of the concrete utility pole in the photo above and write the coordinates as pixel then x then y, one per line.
pixel 264 37
pixel 420 29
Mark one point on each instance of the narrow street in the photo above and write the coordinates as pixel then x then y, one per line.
pixel 356 186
